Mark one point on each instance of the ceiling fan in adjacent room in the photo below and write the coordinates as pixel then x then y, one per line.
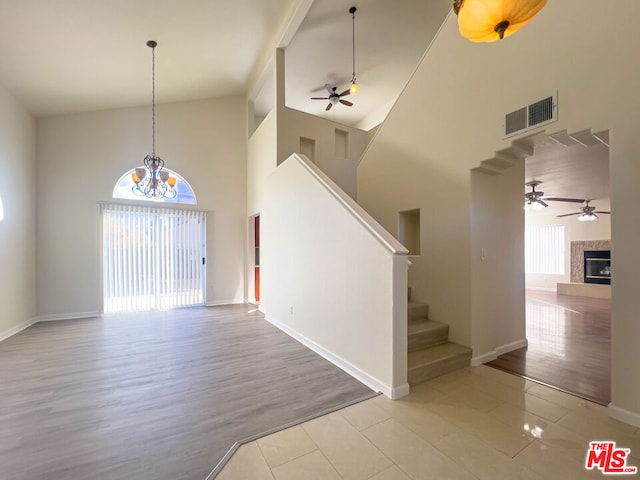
pixel 587 212
pixel 334 97
pixel 533 199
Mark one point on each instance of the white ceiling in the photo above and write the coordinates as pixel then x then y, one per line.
pixel 390 39
pixel 68 56
pixel 575 171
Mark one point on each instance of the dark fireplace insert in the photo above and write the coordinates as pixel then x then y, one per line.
pixel 597 266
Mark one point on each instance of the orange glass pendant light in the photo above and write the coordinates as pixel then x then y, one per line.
pixel 491 20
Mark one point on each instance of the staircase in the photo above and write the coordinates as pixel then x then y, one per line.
pixel 431 354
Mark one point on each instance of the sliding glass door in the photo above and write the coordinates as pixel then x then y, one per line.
pixel 152 257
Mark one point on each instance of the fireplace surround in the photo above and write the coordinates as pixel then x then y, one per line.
pixel 577 256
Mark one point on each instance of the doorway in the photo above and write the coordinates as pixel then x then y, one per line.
pixel 256 258
pixel 567 322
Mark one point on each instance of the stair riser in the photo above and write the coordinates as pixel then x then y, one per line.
pixel 421 340
pixel 415 312
pixel 423 373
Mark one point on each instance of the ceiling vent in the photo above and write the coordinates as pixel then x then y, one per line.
pixel 532 116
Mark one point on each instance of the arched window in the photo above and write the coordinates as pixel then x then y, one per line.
pixel 124 189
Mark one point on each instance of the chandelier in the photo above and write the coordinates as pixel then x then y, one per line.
pixel 152 181
pixel 491 20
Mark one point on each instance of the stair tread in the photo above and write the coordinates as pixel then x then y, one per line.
pixel 420 325
pixel 436 353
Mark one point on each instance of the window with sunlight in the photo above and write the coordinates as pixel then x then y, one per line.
pixel 152 257
pixel 544 250
pixel 124 189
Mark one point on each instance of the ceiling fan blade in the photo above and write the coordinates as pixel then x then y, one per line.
pixel 598 211
pixel 563 199
pixel 541 202
pixel 345 93
pixel 569 214
pixel 329 106
pixel 319 98
pixel 346 102
pixel 329 88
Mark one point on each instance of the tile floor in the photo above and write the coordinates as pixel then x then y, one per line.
pixel 475 423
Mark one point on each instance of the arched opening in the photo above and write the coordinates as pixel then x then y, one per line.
pixel 124 189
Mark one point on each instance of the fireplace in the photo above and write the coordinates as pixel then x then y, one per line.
pixel 597 266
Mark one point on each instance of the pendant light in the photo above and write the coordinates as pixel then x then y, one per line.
pixel 152 181
pixel 354 86
pixel 491 20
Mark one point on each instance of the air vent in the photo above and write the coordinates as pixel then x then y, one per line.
pixel 532 116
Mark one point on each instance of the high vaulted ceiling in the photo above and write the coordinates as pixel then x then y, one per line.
pixel 69 56
pixel 390 39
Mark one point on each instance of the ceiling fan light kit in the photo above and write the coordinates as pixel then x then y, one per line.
pixel 533 199
pixel 335 97
pixel 533 202
pixel 587 212
pixel 491 20
pixel 587 217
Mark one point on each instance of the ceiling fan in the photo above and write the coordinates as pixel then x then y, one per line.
pixel 587 212
pixel 334 97
pixel 533 199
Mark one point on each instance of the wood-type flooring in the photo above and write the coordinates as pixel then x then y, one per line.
pixel 159 396
pixel 569 345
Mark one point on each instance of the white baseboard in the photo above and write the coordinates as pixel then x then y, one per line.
pixel 501 350
pixel 399 392
pixel 234 301
pixel 18 328
pixel 67 316
pixel 370 381
pixel 626 416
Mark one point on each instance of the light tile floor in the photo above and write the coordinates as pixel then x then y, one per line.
pixel 475 423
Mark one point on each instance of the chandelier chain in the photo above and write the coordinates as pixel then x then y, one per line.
pixel 153 101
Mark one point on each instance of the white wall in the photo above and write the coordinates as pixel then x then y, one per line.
pixel 574 231
pixel 17 229
pixel 497 264
pixel 80 158
pixel 261 162
pixel 450 117
pixel 331 278
pixel 340 168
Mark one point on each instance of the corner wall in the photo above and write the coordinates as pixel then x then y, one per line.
pixel 334 279
pixel 449 118
pixel 497 264
pixel 80 158
pixel 17 229
pixel 339 166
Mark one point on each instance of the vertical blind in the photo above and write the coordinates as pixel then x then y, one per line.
pixel 152 258
pixel 544 250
